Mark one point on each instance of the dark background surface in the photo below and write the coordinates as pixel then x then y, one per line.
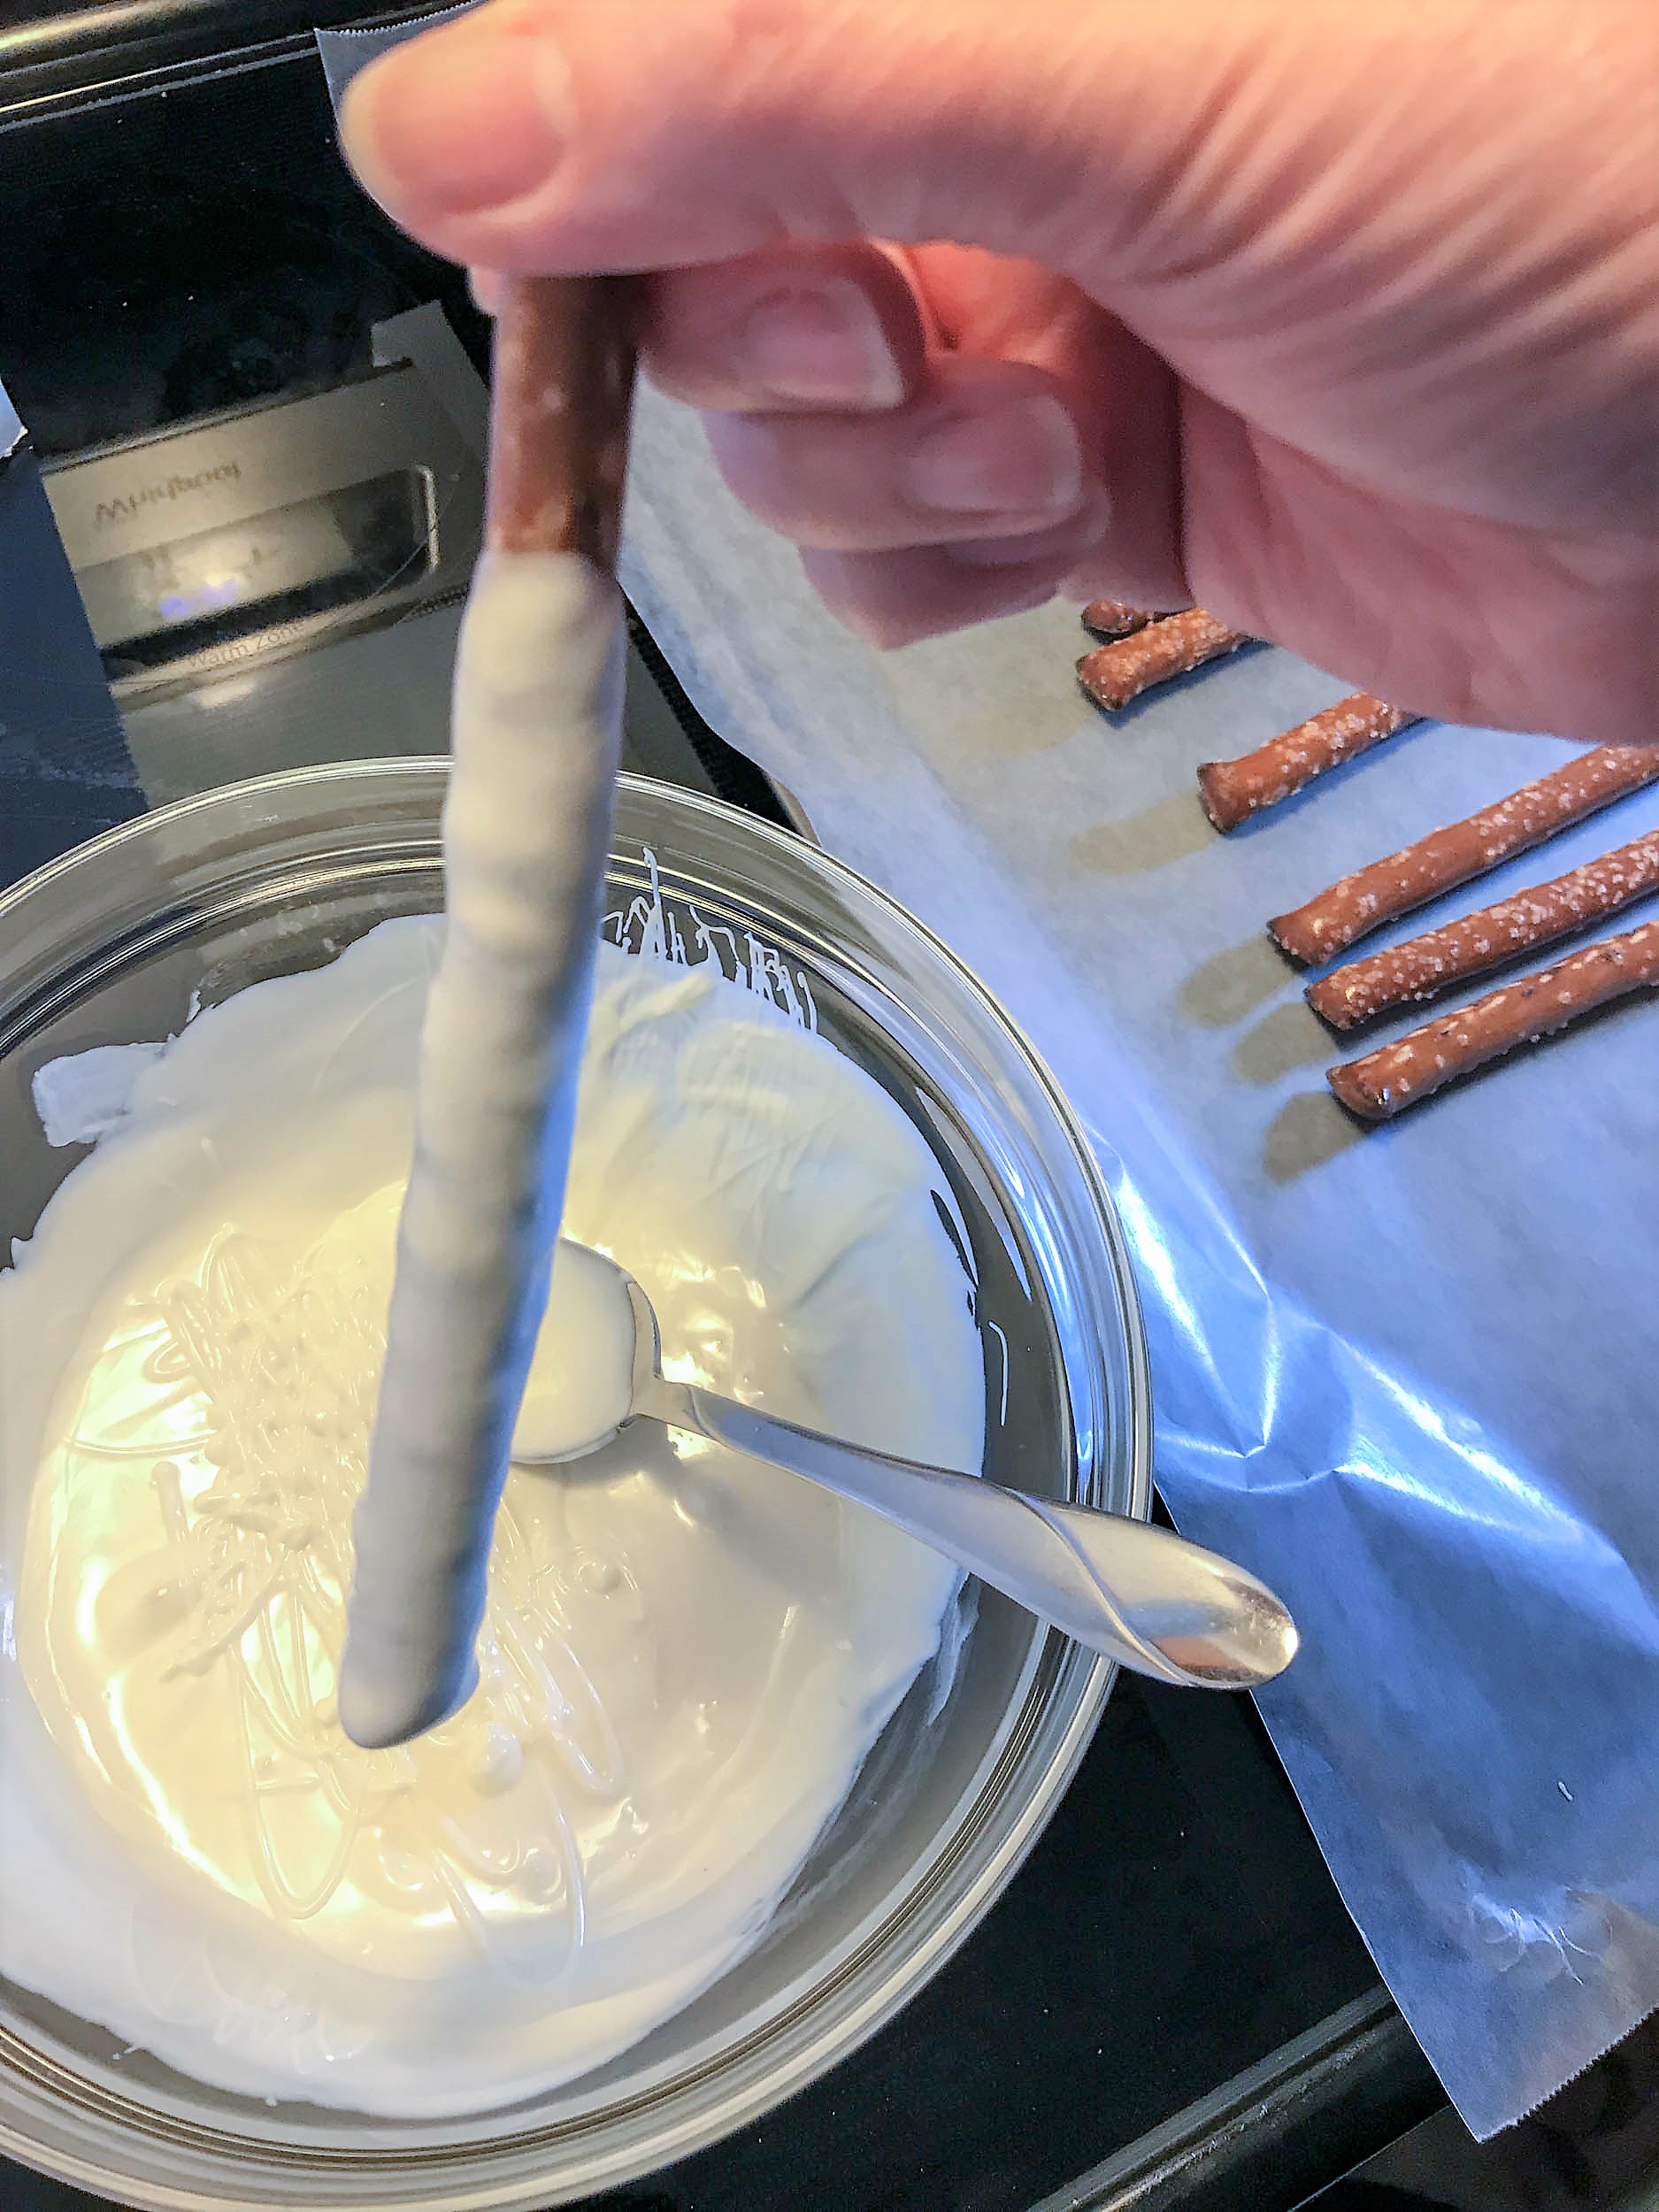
pixel 65 771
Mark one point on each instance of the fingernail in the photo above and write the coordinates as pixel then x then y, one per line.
pixel 1065 541
pixel 821 346
pixel 1024 458
pixel 459 119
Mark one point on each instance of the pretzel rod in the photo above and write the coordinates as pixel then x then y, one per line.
pixel 1114 674
pixel 563 381
pixel 1425 966
pixel 1359 903
pixel 1112 618
pixel 1232 790
pixel 1386 1082
pixel 536 724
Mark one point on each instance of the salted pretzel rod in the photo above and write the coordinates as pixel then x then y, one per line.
pixel 536 729
pixel 562 381
pixel 1114 674
pixel 1348 910
pixel 1232 790
pixel 1387 1081
pixel 1112 618
pixel 1425 966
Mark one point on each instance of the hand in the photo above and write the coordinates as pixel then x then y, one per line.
pixel 1341 322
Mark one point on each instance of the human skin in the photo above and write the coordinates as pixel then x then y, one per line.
pixel 1342 322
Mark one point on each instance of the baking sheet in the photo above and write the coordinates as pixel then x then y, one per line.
pixel 1411 1376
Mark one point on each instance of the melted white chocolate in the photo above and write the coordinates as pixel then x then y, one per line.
pixel 537 729
pixel 684 1655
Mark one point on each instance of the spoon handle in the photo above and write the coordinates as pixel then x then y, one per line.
pixel 1140 1595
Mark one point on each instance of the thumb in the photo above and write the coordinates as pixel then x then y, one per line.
pixel 1415 243
pixel 631 135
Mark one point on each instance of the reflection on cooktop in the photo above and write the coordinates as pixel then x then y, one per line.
pixel 231 278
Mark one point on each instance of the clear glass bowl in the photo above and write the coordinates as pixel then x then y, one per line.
pixel 200 899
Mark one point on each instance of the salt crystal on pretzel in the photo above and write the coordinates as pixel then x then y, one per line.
pixel 1423 967
pixel 1112 618
pixel 1114 674
pixel 1348 910
pixel 1387 1081
pixel 563 381
pixel 1232 790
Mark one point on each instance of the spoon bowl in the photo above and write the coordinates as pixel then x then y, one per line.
pixel 1140 1595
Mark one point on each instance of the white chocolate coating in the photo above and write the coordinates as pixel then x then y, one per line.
pixel 537 733
pixel 686 1657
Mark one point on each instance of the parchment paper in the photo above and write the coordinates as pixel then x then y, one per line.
pixel 1411 1377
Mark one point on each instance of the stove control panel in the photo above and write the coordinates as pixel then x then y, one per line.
pixel 249 535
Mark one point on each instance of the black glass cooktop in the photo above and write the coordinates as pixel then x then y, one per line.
pixel 1170 2007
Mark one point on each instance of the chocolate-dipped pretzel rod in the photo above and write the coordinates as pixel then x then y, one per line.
pixel 1348 910
pixel 1112 618
pixel 562 382
pixel 536 724
pixel 1232 790
pixel 1387 1081
pixel 1114 674
pixel 1425 966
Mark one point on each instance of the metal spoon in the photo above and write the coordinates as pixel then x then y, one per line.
pixel 1140 1595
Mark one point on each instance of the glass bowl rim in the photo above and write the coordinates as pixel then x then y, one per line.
pixel 834 2039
